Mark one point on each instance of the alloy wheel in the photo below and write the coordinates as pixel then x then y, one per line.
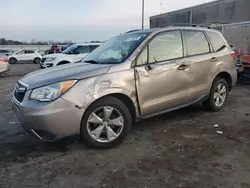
pixel 105 124
pixel 220 95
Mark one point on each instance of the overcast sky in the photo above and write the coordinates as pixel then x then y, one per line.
pixel 78 20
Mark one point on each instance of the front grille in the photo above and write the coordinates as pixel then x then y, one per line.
pixel 19 92
pixel 43 60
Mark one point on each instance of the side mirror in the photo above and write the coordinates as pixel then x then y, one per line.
pixel 7 54
pixel 76 53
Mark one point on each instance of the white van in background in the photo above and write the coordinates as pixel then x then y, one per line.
pixel 72 54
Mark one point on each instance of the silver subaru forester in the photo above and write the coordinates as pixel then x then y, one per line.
pixel 131 77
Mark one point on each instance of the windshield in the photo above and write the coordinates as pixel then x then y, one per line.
pixel 70 50
pixel 116 50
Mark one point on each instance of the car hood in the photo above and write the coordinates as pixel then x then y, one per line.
pixel 64 72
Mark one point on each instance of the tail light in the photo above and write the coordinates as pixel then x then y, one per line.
pixel 233 53
pixel 4 60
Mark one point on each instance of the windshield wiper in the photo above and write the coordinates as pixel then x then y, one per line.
pixel 91 61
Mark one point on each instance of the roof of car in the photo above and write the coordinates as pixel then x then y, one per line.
pixel 193 27
pixel 140 31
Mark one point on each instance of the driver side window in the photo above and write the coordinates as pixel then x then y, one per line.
pixel 165 46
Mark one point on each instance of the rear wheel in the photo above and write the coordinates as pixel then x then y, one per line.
pixel 105 123
pixel 218 95
pixel 37 60
pixel 12 60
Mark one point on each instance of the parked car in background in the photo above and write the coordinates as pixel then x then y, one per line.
pixel 72 54
pixel 4 65
pixel 5 53
pixel 25 55
pixel 130 77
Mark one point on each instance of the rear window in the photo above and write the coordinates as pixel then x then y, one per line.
pixel 217 42
pixel 196 43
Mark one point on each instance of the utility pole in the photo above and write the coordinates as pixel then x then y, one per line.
pixel 191 16
pixel 142 14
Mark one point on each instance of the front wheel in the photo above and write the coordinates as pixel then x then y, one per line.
pixel 105 123
pixel 12 60
pixel 218 95
pixel 37 60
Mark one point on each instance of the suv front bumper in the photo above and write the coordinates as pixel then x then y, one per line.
pixel 48 121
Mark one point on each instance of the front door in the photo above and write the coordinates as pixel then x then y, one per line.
pixel 20 55
pixel 162 74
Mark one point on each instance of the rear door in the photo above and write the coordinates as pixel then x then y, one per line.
pixel 221 53
pixel 198 54
pixel 162 74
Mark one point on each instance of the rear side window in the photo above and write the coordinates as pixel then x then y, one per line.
pixel 196 43
pixel 217 42
pixel 29 52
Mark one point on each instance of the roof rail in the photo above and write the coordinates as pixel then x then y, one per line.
pixel 133 30
pixel 190 25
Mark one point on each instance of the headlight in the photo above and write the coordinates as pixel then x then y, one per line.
pixel 52 92
pixel 51 59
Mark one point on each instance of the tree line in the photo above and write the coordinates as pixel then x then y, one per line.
pixel 3 41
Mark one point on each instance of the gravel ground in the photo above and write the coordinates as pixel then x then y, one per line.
pixel 177 149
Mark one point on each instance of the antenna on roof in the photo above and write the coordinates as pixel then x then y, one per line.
pixel 161 7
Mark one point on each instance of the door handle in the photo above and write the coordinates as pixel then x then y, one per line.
pixel 213 60
pixel 183 67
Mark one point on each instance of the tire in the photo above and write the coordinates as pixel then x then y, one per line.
pixel 102 141
pixel 37 60
pixel 210 103
pixel 12 60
